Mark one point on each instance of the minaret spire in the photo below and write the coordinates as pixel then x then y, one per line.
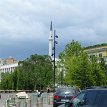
pixel 51 26
pixel 50 40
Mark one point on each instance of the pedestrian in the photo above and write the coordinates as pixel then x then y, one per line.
pixel 48 90
pixel 39 93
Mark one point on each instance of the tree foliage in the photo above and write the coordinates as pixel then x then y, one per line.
pixel 32 73
pixel 80 70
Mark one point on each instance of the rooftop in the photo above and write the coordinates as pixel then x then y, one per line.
pixel 95 46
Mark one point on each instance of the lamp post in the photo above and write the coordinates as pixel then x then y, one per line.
pixel 61 73
pixel 55 42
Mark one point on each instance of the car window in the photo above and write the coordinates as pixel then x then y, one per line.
pixel 93 98
pixel 96 98
pixel 104 99
pixel 90 97
pixel 68 91
pixel 78 98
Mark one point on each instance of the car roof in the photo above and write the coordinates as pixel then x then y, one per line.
pixel 96 89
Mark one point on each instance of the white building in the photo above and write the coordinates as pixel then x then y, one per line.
pixel 7 65
pixel 2 61
pixel 50 41
pixel 8 68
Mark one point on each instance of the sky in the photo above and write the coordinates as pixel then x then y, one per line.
pixel 25 25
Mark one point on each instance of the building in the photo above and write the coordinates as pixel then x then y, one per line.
pixel 50 41
pixel 7 65
pixel 7 61
pixel 99 51
pixel 10 60
pixel 2 61
pixel 8 68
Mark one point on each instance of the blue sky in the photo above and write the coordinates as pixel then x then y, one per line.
pixel 24 25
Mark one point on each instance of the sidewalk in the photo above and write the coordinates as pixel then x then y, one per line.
pixel 45 105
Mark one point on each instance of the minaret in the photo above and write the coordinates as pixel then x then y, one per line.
pixel 50 41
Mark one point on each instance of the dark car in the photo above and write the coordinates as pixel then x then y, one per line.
pixel 96 97
pixel 63 95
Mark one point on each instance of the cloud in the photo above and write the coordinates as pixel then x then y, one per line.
pixel 25 22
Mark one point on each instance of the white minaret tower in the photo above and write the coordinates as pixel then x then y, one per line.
pixel 50 41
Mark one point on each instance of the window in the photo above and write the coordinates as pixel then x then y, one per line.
pixel 78 98
pixel 100 55
pixel 92 56
pixel 104 99
pixel 92 98
pixel 67 91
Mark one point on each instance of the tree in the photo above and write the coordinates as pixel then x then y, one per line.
pixel 80 70
pixel 34 72
pixel 6 81
pixel 98 72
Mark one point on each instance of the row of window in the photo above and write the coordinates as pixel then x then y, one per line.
pixel 98 55
pixel 7 69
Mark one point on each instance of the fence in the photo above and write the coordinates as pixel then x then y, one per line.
pixel 33 101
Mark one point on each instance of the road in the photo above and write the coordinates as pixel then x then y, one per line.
pixel 46 100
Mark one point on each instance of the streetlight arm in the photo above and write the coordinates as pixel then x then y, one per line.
pixel 56 36
pixel 56 42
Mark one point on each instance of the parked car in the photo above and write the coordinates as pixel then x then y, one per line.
pixel 63 95
pixel 95 97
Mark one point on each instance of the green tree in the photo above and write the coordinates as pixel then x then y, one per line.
pixel 6 81
pixel 34 72
pixel 80 70
pixel 98 72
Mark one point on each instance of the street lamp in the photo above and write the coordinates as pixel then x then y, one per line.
pixel 55 42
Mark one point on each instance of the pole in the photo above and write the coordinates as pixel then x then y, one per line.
pixel 54 60
pixel 61 77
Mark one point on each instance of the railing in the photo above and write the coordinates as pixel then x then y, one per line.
pixel 33 101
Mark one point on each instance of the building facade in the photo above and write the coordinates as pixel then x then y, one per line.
pixel 8 68
pixel 50 41
pixel 7 65
pixel 7 61
pixel 2 61
pixel 99 51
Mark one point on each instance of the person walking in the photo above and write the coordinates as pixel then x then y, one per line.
pixel 48 90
